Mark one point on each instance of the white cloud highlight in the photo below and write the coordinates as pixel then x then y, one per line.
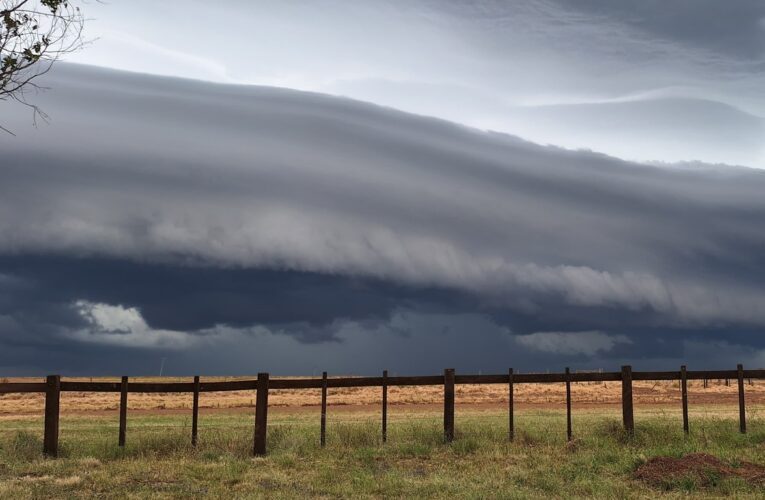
pixel 120 326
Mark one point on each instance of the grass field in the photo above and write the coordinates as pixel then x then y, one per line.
pixel 159 462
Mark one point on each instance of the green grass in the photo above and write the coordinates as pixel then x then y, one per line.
pixel 159 462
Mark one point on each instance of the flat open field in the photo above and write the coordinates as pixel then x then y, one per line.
pixel 602 461
pixel 584 395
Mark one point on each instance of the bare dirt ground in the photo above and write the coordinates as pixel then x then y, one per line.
pixel 591 395
pixel 702 468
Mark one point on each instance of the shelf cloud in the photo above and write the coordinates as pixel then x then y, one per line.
pixel 271 196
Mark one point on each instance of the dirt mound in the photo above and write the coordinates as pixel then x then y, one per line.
pixel 700 468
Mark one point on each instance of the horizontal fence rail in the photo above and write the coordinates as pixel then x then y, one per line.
pixel 53 386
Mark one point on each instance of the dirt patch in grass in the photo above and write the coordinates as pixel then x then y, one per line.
pixel 700 469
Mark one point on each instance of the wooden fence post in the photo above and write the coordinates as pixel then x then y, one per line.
pixel 449 405
pixel 741 405
pixel 123 410
pixel 627 413
pixel 261 414
pixel 195 412
pixel 684 397
pixel 52 402
pixel 568 404
pixel 385 406
pixel 510 423
pixel 323 438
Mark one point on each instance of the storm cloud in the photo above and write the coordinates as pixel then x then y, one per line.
pixel 182 212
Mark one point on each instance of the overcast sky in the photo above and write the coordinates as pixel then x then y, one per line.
pixel 296 187
pixel 658 80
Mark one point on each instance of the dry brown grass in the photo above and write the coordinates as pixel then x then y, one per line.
pixel 591 394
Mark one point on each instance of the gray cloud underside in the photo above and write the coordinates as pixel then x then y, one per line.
pixel 88 316
pixel 156 169
pixel 735 29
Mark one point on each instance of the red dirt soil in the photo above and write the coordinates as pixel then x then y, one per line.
pixel 701 468
pixel 605 396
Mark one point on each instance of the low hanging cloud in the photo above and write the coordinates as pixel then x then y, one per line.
pixel 259 177
pixel 124 326
pixel 571 343
pixel 245 206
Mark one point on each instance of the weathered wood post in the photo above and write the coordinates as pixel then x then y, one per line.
pixel 741 405
pixel 684 397
pixel 123 410
pixel 510 423
pixel 261 414
pixel 449 405
pixel 195 412
pixel 385 406
pixel 627 413
pixel 52 403
pixel 323 438
pixel 568 404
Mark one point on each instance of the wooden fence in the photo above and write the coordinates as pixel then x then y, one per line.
pixel 54 386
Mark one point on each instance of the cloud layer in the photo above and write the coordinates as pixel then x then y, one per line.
pixel 207 179
pixel 587 343
pixel 648 80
